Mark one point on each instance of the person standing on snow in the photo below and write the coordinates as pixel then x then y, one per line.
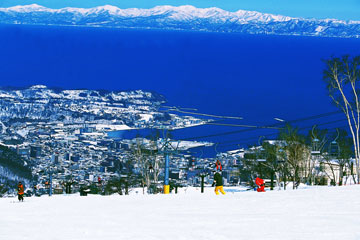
pixel 20 192
pixel 261 184
pixel 218 183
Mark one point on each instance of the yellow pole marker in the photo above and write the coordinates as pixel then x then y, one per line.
pixel 166 189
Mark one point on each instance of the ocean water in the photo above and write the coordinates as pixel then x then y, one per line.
pixel 257 77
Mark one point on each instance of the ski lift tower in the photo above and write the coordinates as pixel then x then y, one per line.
pixel 50 172
pixel 167 149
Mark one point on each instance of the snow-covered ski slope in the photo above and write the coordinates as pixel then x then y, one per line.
pixel 320 213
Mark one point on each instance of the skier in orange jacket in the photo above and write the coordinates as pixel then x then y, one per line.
pixel 21 192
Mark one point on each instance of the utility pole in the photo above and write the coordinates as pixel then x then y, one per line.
pixel 50 181
pixel 202 182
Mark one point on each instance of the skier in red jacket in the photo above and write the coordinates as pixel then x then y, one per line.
pixel 261 184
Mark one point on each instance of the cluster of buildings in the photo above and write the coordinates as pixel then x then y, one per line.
pixel 84 153
pixel 68 136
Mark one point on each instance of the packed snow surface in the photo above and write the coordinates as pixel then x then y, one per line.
pixel 320 213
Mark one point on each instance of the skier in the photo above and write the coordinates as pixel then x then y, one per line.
pixel 20 192
pixel 218 165
pixel 218 183
pixel 261 185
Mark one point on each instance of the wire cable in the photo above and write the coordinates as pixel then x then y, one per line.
pixel 272 134
pixel 265 126
pixel 239 125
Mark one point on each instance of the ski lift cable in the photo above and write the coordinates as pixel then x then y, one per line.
pixel 314 117
pixel 244 126
pixel 249 129
pixel 303 128
pixel 272 134
pixel 271 125
pixel 246 141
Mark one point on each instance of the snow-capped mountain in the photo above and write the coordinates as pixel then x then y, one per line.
pixel 180 18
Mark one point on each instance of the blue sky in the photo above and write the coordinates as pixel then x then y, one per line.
pixel 344 9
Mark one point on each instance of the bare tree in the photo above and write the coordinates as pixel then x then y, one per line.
pixel 328 160
pixel 143 161
pixel 273 161
pixel 296 152
pixel 156 158
pixel 343 152
pixel 318 139
pixel 342 76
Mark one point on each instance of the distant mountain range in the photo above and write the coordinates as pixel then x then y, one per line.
pixel 180 18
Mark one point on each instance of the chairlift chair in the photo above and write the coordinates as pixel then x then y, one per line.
pixel 315 149
pixel 334 148
pixel 316 145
